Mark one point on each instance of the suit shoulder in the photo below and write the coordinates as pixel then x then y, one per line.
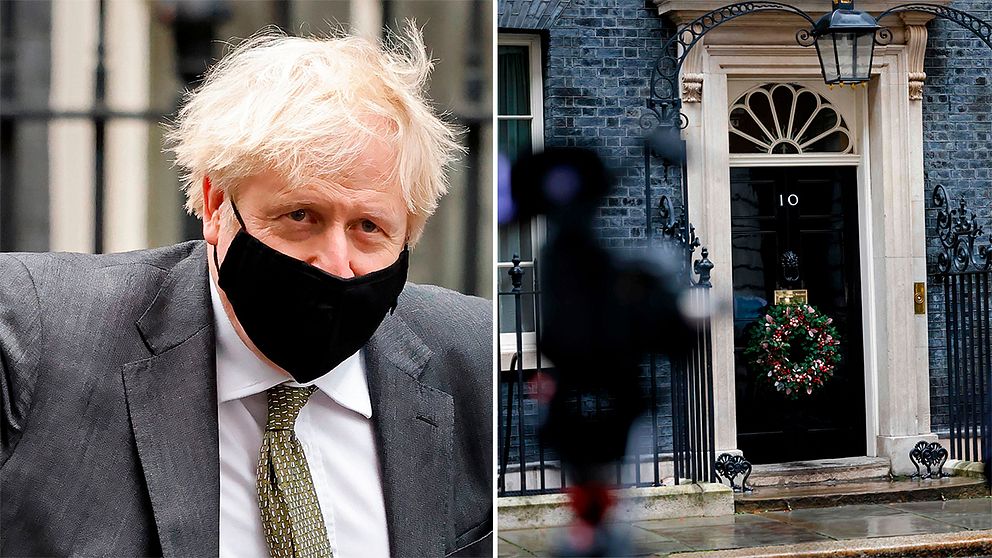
pixel 162 258
pixel 55 273
pixel 450 322
pixel 429 304
pixel 44 290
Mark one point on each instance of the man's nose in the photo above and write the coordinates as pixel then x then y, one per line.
pixel 332 253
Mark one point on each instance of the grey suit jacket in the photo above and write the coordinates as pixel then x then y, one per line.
pixel 109 410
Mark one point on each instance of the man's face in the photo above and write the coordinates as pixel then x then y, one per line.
pixel 345 225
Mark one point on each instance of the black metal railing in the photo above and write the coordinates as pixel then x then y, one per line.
pixel 693 414
pixel 693 426
pixel 520 449
pixel 964 268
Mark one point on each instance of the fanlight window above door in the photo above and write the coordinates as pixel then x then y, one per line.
pixel 787 119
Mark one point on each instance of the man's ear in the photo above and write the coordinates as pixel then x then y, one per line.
pixel 212 199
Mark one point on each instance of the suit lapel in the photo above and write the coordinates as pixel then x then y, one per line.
pixel 172 402
pixel 414 426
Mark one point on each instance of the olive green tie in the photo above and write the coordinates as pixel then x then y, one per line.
pixel 294 526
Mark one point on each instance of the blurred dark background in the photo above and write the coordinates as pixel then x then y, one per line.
pixel 86 84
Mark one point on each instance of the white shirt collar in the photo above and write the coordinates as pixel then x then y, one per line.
pixel 241 373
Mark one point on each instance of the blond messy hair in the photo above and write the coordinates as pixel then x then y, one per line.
pixel 306 108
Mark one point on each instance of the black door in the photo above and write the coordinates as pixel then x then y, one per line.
pixel 812 213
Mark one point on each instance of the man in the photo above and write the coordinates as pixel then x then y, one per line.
pixel 277 390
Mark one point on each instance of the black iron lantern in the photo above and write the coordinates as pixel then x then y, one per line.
pixel 845 43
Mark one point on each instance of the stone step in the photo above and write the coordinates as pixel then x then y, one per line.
pixel 779 498
pixel 847 469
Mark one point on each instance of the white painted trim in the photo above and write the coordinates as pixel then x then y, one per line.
pixel 899 239
pixel 508 347
pixel 128 60
pixel 866 248
pixel 366 18
pixel 70 141
pixel 804 160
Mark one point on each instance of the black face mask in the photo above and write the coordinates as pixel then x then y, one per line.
pixel 302 318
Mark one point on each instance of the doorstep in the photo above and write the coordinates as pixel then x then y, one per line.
pixel 845 469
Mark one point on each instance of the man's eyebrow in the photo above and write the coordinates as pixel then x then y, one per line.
pixel 372 211
pixel 379 214
pixel 288 203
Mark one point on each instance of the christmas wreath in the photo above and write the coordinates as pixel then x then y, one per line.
pixel 794 348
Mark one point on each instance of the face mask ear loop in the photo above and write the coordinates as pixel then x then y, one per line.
pixel 406 250
pixel 237 214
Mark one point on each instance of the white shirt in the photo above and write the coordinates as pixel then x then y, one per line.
pixel 335 429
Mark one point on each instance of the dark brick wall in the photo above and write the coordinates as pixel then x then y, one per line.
pixel 599 59
pixel 957 131
pixel 529 14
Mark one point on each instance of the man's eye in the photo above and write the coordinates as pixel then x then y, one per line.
pixel 368 226
pixel 298 215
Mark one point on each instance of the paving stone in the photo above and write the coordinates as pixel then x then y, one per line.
pixel 975 544
pixel 878 526
pixel 675 524
pixel 803 530
pixel 975 506
pixel 540 542
pixel 973 514
pixel 871 521
pixel 505 549
pixel 814 515
pixel 736 531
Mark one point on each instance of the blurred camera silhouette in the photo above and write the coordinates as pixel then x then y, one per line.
pixel 604 310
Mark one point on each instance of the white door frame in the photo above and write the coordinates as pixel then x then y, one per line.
pixel 889 141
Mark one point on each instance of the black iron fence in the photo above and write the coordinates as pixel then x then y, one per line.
pixel 693 420
pixel 964 268
pixel 673 443
pixel 693 423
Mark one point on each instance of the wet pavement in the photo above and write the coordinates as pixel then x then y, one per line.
pixel 750 530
